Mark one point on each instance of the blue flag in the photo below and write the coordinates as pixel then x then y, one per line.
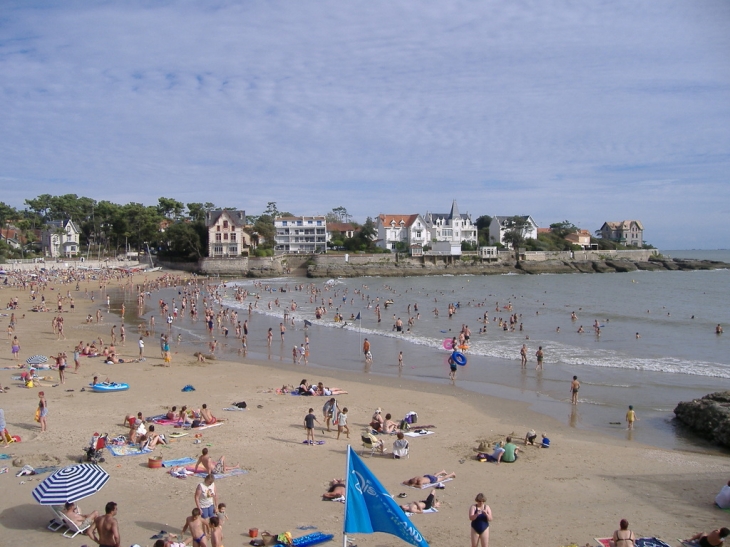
pixel 358 316
pixel 369 508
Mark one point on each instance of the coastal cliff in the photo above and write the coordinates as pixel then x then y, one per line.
pixel 708 417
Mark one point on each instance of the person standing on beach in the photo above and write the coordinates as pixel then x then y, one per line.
pixel 523 356
pixel 282 331
pixel 452 368
pixel 328 410
pixel 540 355
pixel 107 528
pixel 400 359
pixel 365 347
pixel 309 420
pixel 480 515
pixel 342 423
pixel 631 417
pixel 574 387
pixel 141 347
pixel 42 410
pixel 269 337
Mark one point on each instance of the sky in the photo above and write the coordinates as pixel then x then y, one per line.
pixel 563 110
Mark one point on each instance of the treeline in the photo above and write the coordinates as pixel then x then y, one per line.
pixel 170 228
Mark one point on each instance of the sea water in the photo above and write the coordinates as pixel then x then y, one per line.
pixel 676 357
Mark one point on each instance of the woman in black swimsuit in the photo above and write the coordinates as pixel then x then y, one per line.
pixel 480 515
pixel 421 506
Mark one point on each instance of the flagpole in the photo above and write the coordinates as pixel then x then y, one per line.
pixel 347 479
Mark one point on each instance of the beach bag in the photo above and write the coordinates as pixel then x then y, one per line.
pixel 241 404
pixel 412 418
pixel 404 425
pixel 37 414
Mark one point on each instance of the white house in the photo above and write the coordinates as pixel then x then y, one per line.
pixel 300 234
pixel 407 229
pixel 226 238
pixel 500 225
pixel 452 226
pixel 61 239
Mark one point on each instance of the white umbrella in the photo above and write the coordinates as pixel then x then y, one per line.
pixel 36 360
pixel 72 483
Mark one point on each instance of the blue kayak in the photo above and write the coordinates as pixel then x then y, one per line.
pixel 106 387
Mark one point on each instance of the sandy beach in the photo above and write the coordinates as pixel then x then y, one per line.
pixel 577 490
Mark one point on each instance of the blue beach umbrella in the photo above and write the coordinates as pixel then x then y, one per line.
pixel 72 483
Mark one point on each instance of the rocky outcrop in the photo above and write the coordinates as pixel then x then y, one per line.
pixel 708 417
pixel 547 266
pixel 622 265
pixel 395 269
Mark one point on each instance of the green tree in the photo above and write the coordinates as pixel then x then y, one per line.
pixel 170 208
pixel 184 240
pixel 515 235
pixel 562 229
pixel 7 213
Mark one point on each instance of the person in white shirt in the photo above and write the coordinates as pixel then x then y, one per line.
pixel 723 498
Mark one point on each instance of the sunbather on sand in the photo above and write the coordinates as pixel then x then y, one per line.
pixel 421 506
pixel 429 479
pixel 210 466
pixel 71 511
pixel 336 490
pixel 207 416
pixel 713 539
pixel 152 440
pixel 171 541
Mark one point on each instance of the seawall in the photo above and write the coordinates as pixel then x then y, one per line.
pixel 394 265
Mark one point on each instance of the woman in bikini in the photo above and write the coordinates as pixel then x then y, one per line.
pixel 43 408
pixel 429 479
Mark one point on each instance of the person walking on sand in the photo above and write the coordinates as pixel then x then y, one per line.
pixel 342 423
pixel 309 420
pixel 206 497
pixel 631 417
pixel 480 516
pixel 540 355
pixel 105 529
pixel 452 368
pixel 574 387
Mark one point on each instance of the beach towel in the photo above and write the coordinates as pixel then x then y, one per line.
pixel 202 474
pixel 640 542
pixel 419 433
pixel 207 426
pixel 163 420
pixel 177 434
pixel 178 462
pixel 127 450
pixel 432 510
pixel 431 485
pixel 5 456
pixel 314 538
pixel 315 442
pixel 234 408
pixel 650 542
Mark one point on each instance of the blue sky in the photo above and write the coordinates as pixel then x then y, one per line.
pixel 585 111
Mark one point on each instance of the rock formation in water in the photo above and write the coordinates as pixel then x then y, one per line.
pixel 708 417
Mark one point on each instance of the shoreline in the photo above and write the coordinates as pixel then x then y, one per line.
pixel 591 477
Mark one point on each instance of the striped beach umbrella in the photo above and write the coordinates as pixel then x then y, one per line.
pixel 72 483
pixel 36 360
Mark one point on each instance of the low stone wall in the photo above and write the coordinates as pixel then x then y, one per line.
pixel 32 266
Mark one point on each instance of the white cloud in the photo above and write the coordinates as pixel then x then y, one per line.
pixel 587 112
